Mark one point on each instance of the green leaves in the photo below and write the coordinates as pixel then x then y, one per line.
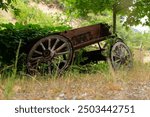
pixel 141 10
pixel 10 36
pixel 133 10
pixel 83 7
pixel 4 4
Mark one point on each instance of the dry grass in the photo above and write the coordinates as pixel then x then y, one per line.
pixel 95 86
pixel 133 84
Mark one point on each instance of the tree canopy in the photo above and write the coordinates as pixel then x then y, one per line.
pixel 4 4
pixel 140 10
pixel 133 9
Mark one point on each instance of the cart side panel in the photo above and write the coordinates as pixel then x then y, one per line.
pixel 88 35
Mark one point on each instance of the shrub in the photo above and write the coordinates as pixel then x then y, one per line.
pixel 10 36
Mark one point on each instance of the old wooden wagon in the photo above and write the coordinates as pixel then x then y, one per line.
pixel 55 53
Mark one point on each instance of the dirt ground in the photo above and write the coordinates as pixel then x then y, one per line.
pixel 85 88
pixel 130 91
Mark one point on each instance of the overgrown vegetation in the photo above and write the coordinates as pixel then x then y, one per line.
pixel 27 14
pixel 10 36
pixel 32 24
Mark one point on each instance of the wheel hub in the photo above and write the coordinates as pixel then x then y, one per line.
pixel 47 54
pixel 123 60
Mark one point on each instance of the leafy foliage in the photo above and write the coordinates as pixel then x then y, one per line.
pixel 141 10
pixel 5 3
pixel 134 10
pixel 28 14
pixel 10 36
pixel 82 8
pixel 89 6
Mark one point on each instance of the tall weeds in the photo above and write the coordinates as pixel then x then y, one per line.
pixel 11 78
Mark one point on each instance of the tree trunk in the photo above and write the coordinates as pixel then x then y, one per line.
pixel 114 18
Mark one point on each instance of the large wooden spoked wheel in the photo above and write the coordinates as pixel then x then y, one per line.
pixel 120 56
pixel 50 55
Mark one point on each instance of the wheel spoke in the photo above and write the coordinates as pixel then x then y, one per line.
pixel 123 50
pixel 116 54
pixel 36 58
pixel 40 53
pixel 42 46
pixel 61 47
pixel 34 62
pixel 55 44
pixel 62 64
pixel 64 61
pixel 49 44
pixel 116 61
pixel 62 53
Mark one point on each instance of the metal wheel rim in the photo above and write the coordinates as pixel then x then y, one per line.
pixel 50 55
pixel 121 56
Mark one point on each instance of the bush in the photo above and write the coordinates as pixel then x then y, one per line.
pixel 10 36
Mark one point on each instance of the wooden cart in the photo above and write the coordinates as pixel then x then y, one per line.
pixel 55 53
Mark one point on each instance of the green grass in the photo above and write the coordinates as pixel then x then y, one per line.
pixel 11 77
pixel 75 85
pixel 26 14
